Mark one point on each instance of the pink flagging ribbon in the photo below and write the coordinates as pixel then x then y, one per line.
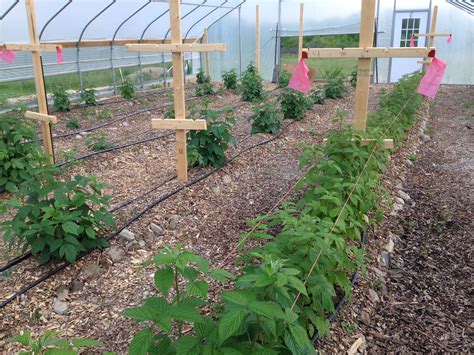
pixel 59 55
pixel 412 41
pixel 430 83
pixel 7 55
pixel 299 79
pixel 450 38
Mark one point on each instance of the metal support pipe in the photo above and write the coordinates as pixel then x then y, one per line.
pixel 202 18
pixel 53 17
pixel 240 42
pixel 141 39
pixel 80 39
pixel 9 9
pixel 168 32
pixel 210 5
pixel 239 5
pixel 113 39
pixel 199 20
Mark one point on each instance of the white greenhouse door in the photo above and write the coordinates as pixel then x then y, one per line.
pixel 406 24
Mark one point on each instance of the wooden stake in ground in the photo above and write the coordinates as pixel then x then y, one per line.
pixel 257 38
pixel 300 36
pixel 177 48
pixel 35 48
pixel 207 64
pixel 365 53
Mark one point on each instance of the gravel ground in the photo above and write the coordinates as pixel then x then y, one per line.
pixel 417 294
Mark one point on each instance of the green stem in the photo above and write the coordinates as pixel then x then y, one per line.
pixel 176 288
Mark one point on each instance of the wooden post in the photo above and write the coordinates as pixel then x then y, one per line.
pixel 300 36
pixel 177 48
pixel 178 90
pixel 366 39
pixel 206 54
pixel 39 80
pixel 434 18
pixel 257 38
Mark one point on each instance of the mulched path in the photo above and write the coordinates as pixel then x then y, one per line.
pixel 421 302
pixel 208 217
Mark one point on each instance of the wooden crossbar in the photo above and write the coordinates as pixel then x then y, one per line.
pixel 176 48
pixel 177 124
pixel 432 34
pixel 41 117
pixel 369 52
pixel 29 47
pixel 116 42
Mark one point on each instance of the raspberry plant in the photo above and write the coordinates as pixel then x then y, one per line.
pixel 334 87
pixel 284 79
pixel 97 141
pixel 20 152
pixel 89 96
pixel 202 78
pixel 49 343
pixel 293 104
pixel 207 147
pixel 61 99
pixel 73 122
pixel 58 219
pixel 251 84
pixel 230 79
pixel 127 89
pixel 204 89
pixel 266 118
pixel 317 95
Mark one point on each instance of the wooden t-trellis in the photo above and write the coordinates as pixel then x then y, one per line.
pixel 177 48
pixel 35 47
pixel 364 53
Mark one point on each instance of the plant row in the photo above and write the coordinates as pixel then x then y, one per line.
pixel 60 218
pixel 274 306
pixel 288 286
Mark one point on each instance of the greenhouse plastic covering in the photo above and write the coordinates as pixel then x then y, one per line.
pixel 229 21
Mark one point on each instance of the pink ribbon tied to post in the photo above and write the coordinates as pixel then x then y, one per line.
pixel 7 55
pixel 300 79
pixel 59 55
pixel 430 83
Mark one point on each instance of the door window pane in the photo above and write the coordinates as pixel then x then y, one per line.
pixel 410 26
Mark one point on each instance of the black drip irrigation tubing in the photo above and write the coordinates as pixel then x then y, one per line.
pixel 123 117
pixel 161 199
pixel 341 302
pixel 25 256
pixel 126 145
pixel 28 254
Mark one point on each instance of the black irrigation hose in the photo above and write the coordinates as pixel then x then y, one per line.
pixel 15 261
pixel 126 145
pixel 341 302
pixel 25 256
pixel 140 214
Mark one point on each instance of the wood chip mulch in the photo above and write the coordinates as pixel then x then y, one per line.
pixel 421 302
pixel 208 217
